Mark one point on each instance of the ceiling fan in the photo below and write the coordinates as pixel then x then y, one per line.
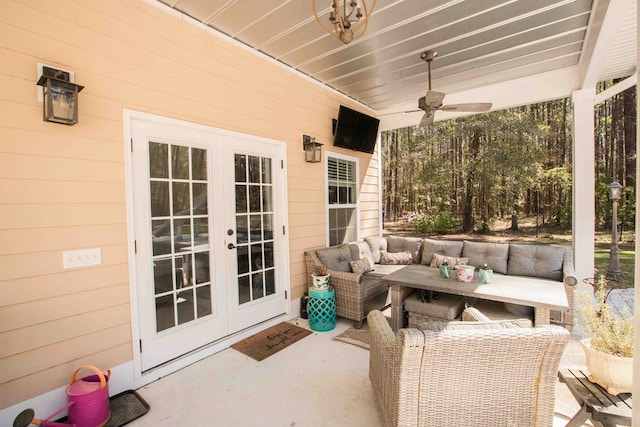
pixel 432 101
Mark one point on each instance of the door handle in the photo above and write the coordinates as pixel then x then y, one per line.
pixel 231 246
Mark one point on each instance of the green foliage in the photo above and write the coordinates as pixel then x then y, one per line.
pixel 562 215
pixel 515 161
pixel 484 227
pixel 610 333
pixel 441 223
pixel 627 209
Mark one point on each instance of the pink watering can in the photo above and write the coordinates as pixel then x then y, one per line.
pixel 87 402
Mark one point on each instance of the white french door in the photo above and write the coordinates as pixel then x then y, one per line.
pixel 208 260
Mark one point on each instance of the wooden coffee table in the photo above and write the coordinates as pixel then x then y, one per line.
pixel 543 295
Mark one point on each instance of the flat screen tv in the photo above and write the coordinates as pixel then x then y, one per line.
pixel 355 131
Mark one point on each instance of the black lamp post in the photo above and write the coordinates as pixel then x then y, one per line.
pixel 615 190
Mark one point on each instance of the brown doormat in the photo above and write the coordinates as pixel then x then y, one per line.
pixel 270 341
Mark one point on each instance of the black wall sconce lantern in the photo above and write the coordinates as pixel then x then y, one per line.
pixel 312 149
pixel 60 96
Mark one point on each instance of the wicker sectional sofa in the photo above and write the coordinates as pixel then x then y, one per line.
pixel 355 289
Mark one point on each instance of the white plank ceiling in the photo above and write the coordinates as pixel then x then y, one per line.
pixel 508 52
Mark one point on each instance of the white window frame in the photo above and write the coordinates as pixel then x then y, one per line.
pixel 355 205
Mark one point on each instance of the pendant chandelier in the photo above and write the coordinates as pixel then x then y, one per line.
pixel 348 17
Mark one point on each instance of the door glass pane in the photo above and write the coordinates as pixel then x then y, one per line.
pixel 203 298
pixel 165 314
pixel 242 229
pixel 269 282
pixel 199 199
pixel 158 165
pixel 180 162
pixel 255 231
pixel 180 234
pixel 159 198
pixel 185 307
pixel 241 168
pixel 241 198
pixel 244 291
pixel 181 198
pixel 266 170
pixel 254 198
pixel 254 169
pixel 199 159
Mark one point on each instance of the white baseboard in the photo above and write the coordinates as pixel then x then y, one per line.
pixel 122 377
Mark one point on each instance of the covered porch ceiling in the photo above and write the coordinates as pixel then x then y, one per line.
pixel 507 52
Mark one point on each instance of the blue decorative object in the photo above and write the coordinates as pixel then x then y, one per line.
pixel 321 308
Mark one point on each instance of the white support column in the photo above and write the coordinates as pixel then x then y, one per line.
pixel 636 282
pixel 583 183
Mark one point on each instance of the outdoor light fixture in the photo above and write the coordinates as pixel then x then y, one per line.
pixel 60 96
pixel 348 17
pixel 615 191
pixel 312 149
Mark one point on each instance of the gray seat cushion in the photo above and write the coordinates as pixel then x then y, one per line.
pixel 336 258
pixel 452 248
pixel 495 255
pixel 376 244
pixel 536 261
pixel 446 307
pixel 405 244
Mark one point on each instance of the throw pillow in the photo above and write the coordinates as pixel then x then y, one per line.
pixel 405 244
pixel 361 266
pixel 438 260
pixel 444 247
pixel 395 258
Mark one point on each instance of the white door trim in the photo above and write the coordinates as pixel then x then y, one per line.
pixel 129 116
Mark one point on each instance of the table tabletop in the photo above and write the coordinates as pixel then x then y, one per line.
pixel 594 400
pixel 529 291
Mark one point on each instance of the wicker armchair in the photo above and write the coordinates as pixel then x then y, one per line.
pixel 470 377
pixel 353 290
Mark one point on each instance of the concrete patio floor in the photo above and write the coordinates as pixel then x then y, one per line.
pixel 314 382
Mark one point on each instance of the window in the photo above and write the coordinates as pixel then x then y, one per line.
pixel 342 197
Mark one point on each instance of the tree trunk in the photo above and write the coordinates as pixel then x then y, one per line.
pixel 629 101
pixel 468 221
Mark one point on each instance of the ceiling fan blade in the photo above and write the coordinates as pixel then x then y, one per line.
pixel 472 107
pixel 434 98
pixel 427 119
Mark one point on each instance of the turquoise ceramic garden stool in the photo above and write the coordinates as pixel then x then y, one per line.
pixel 322 309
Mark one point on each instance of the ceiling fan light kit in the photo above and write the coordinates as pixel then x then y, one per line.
pixel 349 18
pixel 432 101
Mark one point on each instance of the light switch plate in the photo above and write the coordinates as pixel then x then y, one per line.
pixel 81 258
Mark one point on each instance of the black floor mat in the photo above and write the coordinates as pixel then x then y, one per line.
pixel 126 407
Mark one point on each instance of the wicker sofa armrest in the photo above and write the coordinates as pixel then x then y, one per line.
pixel 381 331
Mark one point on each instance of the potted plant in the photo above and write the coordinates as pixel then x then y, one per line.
pixel 609 350
pixel 321 278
